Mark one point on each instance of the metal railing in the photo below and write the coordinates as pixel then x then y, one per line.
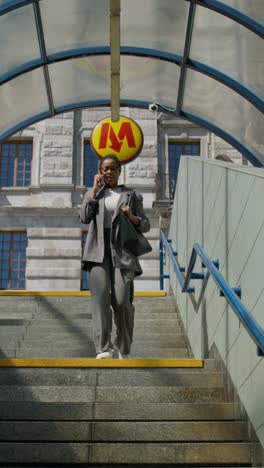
pixel 232 295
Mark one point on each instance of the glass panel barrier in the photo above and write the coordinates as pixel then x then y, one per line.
pixel 221 106
pixel 158 80
pixel 80 79
pixel 18 39
pixel 232 49
pixel 252 8
pixel 22 98
pixel 5 3
pixel 73 24
pixel 154 25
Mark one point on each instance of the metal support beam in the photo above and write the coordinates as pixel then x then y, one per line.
pixel 115 58
pixel 187 46
pixel 44 57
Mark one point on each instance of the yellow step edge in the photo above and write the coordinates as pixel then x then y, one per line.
pixel 98 363
pixel 75 293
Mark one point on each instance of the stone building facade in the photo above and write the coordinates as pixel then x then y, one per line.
pixel 46 210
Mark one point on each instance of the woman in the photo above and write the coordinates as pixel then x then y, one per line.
pixel 111 269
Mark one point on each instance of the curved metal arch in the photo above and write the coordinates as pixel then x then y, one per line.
pixel 137 104
pixel 229 82
pixel 88 52
pixel 233 14
pixel 139 52
pixel 184 62
pixel 214 5
pixel 14 5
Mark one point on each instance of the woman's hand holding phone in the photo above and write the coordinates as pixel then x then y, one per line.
pixel 97 184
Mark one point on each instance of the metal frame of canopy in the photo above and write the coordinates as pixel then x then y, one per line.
pixel 184 62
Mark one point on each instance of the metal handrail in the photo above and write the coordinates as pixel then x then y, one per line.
pixel 231 294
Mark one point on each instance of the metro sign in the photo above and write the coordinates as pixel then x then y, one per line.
pixel 124 139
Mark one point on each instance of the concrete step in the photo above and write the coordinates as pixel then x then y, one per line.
pixel 167 431
pixel 142 283
pixel 40 393
pixel 166 411
pixel 89 351
pixel 7 352
pixel 141 318
pixel 50 411
pixel 179 342
pixel 140 329
pixel 43 301
pixel 159 379
pixel 16 315
pixel 140 312
pixel 11 323
pixel 160 353
pixel 92 376
pixel 126 453
pixel 75 340
pixel 79 394
pixel 169 453
pixel 150 346
pixel 150 431
pixel 110 377
pixel 86 334
pixel 6 329
pixel 160 394
pixel 69 411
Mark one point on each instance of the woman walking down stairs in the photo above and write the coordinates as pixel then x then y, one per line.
pixel 67 412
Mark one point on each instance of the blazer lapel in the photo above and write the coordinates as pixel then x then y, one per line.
pixel 123 200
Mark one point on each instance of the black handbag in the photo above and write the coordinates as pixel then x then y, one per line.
pixel 129 238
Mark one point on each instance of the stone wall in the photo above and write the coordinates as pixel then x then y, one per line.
pixel 57 150
pixel 53 259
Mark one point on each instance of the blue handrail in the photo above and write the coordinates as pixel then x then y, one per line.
pixel 231 294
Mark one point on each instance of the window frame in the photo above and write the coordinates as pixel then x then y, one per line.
pixel 172 176
pixel 17 142
pixel 12 232
pixel 87 141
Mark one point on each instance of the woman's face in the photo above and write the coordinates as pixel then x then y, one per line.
pixel 111 172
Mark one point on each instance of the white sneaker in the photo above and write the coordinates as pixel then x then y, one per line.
pixel 122 356
pixel 105 354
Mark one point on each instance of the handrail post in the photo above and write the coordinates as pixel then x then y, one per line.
pixel 161 265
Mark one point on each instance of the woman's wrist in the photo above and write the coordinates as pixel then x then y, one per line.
pixel 94 193
pixel 135 220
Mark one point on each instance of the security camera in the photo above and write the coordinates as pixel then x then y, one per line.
pixel 153 107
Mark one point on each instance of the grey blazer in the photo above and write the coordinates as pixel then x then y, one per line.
pixel 92 213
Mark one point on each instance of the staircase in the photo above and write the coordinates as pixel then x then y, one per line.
pixel 107 416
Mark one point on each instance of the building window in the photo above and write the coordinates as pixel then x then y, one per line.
pixel 90 165
pixel 15 163
pixel 176 150
pixel 12 259
pixel 84 278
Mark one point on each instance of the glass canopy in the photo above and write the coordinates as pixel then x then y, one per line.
pixel 202 60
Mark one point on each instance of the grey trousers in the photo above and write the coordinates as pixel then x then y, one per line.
pixel 111 289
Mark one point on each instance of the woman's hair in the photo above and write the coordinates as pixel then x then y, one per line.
pixel 110 156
